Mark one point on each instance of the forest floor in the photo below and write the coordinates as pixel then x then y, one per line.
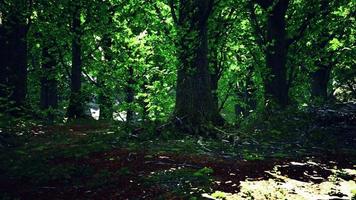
pixel 99 162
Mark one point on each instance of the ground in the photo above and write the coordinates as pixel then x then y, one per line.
pixel 101 161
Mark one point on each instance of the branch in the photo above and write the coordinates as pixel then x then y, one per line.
pixel 231 84
pixel 90 79
pixel 302 29
pixel 91 52
pixel 307 22
pixel 225 26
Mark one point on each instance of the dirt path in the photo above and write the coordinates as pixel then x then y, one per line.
pixel 144 173
pixel 122 174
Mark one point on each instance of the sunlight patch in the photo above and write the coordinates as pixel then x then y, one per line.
pixel 335 186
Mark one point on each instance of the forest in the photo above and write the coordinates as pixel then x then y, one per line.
pixel 178 99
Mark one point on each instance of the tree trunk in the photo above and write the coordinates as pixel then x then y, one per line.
pixel 214 81
pixel 276 89
pixel 194 95
pixel 144 104
pixel 105 102
pixel 130 95
pixel 3 67
pixel 248 93
pixel 76 102
pixel 320 80
pixel 49 94
pixel 14 60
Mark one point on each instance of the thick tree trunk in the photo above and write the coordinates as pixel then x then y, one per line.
pixel 3 67
pixel 276 87
pixel 105 102
pixel 76 102
pixel 49 92
pixel 194 98
pixel 14 60
pixel 320 80
pixel 130 95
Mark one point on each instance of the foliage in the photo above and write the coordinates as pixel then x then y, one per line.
pixel 184 182
pixel 127 68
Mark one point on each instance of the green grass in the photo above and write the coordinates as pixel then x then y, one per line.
pixel 182 181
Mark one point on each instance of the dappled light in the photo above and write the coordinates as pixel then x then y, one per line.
pixel 177 99
pixel 327 183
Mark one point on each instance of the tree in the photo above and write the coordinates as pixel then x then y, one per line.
pixel 76 104
pixel 222 24
pixel 14 28
pixel 49 93
pixel 276 43
pixel 329 48
pixel 321 52
pixel 194 95
pixel 105 101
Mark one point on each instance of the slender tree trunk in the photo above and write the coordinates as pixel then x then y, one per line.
pixel 143 103
pixel 249 90
pixel 76 102
pixel 49 93
pixel 194 96
pixel 320 80
pixel 130 95
pixel 214 80
pixel 276 89
pixel 105 101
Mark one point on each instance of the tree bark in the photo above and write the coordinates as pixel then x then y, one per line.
pixel 320 80
pixel 130 95
pixel 248 93
pixel 76 102
pixel 49 92
pixel 194 95
pixel 214 80
pixel 3 66
pixel 105 102
pixel 276 87
pixel 14 59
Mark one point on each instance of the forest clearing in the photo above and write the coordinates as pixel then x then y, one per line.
pixel 178 99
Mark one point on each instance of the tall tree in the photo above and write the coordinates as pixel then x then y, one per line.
pixel 276 42
pixel 3 61
pixel 14 28
pixel 106 25
pixel 105 101
pixel 328 44
pixel 221 28
pixel 76 102
pixel 130 94
pixel 49 92
pixel 194 96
